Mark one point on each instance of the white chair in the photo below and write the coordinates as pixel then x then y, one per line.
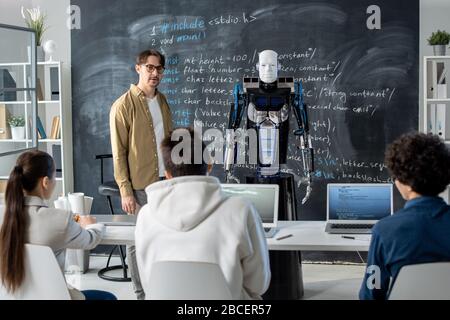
pixel 428 281
pixel 187 280
pixel 44 279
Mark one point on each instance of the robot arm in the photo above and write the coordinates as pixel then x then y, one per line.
pixel 237 111
pixel 306 148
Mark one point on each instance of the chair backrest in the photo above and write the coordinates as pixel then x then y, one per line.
pixel 44 279
pixel 187 280
pixel 101 157
pixel 428 281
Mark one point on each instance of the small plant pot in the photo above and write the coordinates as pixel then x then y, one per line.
pixel 18 133
pixel 439 49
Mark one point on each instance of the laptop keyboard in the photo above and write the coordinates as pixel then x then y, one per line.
pixel 352 226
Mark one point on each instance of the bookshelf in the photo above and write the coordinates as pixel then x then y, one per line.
pixel 436 100
pixel 50 113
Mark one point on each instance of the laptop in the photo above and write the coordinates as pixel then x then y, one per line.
pixel 265 199
pixel 356 207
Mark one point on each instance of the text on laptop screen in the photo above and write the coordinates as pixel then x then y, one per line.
pixel 360 202
pixel 262 198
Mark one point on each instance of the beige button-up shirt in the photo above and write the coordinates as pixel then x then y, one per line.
pixel 133 140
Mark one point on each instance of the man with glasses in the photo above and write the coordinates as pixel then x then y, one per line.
pixel 139 120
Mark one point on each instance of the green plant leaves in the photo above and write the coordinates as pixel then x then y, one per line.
pixel 439 38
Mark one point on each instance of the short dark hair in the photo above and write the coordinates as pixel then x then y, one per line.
pixel 420 161
pixel 142 57
pixel 192 167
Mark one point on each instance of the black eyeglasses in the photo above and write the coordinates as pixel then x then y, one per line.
pixel 150 68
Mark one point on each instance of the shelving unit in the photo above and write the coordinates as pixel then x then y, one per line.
pixel 50 106
pixel 436 93
pixel 436 100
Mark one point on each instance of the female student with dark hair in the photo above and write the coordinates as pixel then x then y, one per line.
pixel 27 219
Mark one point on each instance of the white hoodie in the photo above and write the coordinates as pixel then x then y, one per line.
pixel 190 219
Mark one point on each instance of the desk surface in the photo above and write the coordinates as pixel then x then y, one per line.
pixel 306 236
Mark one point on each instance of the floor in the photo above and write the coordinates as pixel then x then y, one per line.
pixel 321 281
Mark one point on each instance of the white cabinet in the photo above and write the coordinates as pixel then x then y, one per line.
pixel 436 100
pixel 50 113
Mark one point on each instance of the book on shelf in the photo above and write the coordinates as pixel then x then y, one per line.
pixel 3 183
pixel 40 129
pixel 7 81
pixel 40 95
pixel 55 132
pixel 5 132
pixel 39 92
pixel 56 154
pixel 58 129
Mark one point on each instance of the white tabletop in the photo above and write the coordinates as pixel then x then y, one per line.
pixel 311 236
pixel 306 236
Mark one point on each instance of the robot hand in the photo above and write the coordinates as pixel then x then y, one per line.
pixel 230 177
pixel 305 140
pixel 308 182
pixel 308 165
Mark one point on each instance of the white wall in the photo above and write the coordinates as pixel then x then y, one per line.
pixel 56 21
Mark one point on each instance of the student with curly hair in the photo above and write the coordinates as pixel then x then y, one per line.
pixel 420 232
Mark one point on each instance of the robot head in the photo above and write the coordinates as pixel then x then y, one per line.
pixel 268 66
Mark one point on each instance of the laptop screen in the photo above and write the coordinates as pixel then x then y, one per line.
pixel 361 202
pixel 263 196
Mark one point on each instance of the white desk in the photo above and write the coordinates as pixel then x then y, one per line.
pixel 307 236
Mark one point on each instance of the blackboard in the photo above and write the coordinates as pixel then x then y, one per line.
pixel 360 83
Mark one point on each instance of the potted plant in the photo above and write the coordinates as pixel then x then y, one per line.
pixel 439 40
pixel 35 20
pixel 17 125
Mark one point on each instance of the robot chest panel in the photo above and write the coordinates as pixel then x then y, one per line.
pixel 259 113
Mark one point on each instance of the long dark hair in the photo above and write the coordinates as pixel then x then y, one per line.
pixel 30 167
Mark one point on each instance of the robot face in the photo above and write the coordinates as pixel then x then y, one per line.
pixel 268 66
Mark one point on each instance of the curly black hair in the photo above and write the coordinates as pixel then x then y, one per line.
pixel 420 161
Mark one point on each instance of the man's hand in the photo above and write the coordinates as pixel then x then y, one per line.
pixel 129 204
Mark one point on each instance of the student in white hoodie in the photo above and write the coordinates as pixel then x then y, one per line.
pixel 189 218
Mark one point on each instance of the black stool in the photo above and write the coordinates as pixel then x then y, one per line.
pixel 110 189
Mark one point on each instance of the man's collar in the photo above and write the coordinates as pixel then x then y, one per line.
pixel 422 200
pixel 136 91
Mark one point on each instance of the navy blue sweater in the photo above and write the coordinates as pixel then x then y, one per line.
pixel 419 233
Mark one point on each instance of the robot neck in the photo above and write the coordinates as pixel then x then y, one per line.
pixel 268 86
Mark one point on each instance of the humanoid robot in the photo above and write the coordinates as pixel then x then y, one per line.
pixel 267 102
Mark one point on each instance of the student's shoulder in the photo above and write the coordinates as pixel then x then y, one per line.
pixel 239 207
pixel 58 218
pixel 400 221
pixel 237 203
